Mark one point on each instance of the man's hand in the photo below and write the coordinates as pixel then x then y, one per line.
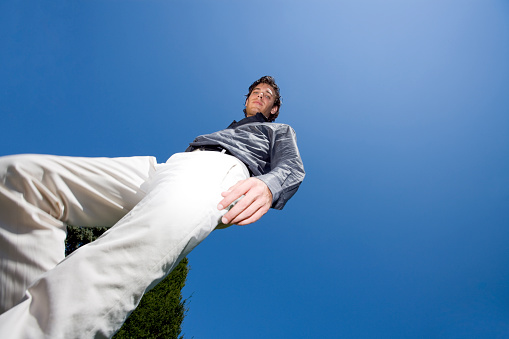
pixel 255 203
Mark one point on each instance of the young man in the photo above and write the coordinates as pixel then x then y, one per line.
pixel 159 213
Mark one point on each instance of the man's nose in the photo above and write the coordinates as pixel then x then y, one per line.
pixel 260 95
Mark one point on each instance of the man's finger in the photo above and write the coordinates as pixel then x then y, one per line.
pixel 242 211
pixel 233 193
pixel 239 207
pixel 255 217
pixel 229 190
pixel 228 200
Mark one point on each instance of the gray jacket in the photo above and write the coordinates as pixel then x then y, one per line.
pixel 268 149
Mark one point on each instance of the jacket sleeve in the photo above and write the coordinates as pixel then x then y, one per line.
pixel 287 169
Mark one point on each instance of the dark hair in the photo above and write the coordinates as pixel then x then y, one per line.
pixel 267 79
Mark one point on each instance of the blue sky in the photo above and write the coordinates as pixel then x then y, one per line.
pixel 401 108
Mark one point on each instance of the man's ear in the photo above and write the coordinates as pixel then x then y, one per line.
pixel 245 104
pixel 274 109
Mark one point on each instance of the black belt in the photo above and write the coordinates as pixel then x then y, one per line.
pixel 214 148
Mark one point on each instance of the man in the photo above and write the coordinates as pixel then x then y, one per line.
pixel 159 213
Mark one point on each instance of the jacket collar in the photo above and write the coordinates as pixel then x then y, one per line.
pixel 258 117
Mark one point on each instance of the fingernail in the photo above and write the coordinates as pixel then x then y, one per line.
pixel 224 220
pixel 220 207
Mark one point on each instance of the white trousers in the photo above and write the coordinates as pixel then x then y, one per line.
pixel 160 212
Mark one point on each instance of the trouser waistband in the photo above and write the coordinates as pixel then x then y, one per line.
pixel 214 148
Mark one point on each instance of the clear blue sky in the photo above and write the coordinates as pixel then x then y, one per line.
pixel 401 108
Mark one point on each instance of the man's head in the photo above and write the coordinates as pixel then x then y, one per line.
pixel 263 97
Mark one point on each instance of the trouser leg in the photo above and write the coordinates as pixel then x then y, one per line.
pixel 90 293
pixel 40 193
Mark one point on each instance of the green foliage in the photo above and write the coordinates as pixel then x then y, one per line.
pixel 161 310
pixel 79 236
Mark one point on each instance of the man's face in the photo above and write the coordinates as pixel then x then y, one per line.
pixel 261 100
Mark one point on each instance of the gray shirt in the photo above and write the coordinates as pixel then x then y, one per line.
pixel 268 149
